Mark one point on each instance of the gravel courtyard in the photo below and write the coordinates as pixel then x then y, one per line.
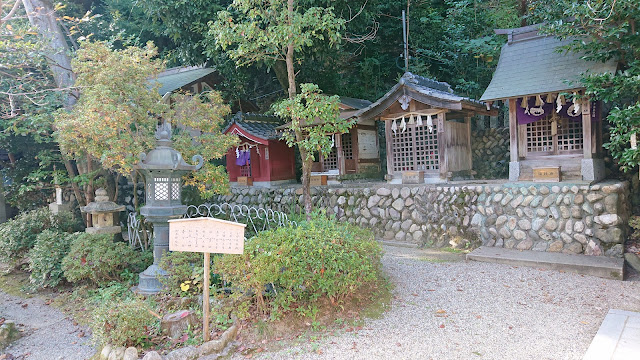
pixel 443 308
pixel 447 308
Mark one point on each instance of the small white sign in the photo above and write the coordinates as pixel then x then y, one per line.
pixel 367 144
pixel 206 235
pixel 634 141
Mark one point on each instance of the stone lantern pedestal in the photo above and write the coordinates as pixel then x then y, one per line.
pixel 104 214
pixel 163 168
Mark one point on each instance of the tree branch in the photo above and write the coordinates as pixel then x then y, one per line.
pixel 13 10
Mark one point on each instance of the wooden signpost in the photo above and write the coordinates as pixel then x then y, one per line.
pixel 206 235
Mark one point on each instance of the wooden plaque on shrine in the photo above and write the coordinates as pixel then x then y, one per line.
pixel 206 235
pixel 318 180
pixel 245 181
pixel 547 174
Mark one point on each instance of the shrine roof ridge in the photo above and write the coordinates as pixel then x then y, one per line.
pixel 531 64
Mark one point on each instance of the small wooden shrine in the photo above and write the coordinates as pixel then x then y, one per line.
pixel 261 158
pixel 427 129
pixel 552 136
pixel 355 151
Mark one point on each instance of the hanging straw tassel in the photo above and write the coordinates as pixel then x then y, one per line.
pixel 411 121
pixel 403 125
pixel 539 101
pixel 525 102
pixel 394 126
pixel 549 99
pixel 419 120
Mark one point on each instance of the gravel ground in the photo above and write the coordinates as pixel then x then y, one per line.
pixel 446 308
pixel 47 334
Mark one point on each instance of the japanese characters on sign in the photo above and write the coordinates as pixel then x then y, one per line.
pixel 206 235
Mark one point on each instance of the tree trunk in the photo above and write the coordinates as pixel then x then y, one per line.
pixel 306 183
pixel 42 16
pixel 522 12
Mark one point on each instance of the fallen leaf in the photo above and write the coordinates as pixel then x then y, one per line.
pixel 441 326
pixel 24 306
pixel 478 317
pixel 398 344
pixel 414 294
pixel 584 322
pixel 441 311
pixel 81 334
pixel 431 290
pixel 319 352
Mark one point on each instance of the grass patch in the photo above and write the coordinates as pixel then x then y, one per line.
pixel 13 283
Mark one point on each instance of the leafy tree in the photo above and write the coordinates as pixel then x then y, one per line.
pixel 279 31
pixel 116 118
pixel 612 32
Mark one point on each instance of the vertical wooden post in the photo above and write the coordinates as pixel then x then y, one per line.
pixel 513 131
pixel 467 120
pixel 205 298
pixel 587 141
pixel 442 145
pixel 355 145
pixel 388 136
pixel 340 154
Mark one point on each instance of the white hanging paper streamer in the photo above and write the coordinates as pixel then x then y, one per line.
pixel 403 125
pixel 419 121
pixel 333 140
pixel 559 103
pixel 430 123
pixel 404 102
pixel 237 153
pixel 411 121
pixel 394 126
pixel 576 105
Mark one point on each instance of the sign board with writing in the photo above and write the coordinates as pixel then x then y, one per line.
pixel 547 174
pixel 367 144
pixel 413 177
pixel 207 235
pixel 318 180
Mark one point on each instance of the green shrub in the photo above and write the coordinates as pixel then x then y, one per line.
pixel 123 322
pixel 18 235
pixel 98 259
pixel 298 267
pixel 45 259
pixel 180 267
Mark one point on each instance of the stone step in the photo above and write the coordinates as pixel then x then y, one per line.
pixel 618 337
pixel 600 266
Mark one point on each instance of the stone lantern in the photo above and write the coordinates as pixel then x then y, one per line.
pixel 162 168
pixel 104 214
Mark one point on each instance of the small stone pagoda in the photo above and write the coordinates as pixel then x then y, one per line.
pixel 104 214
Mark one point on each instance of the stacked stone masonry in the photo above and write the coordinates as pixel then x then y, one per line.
pixel 490 151
pixel 569 218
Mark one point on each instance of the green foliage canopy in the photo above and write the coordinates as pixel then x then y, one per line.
pixel 116 117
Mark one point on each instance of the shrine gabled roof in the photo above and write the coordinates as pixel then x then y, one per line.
pixel 531 64
pixel 428 91
pixel 174 79
pixel 354 103
pixel 258 125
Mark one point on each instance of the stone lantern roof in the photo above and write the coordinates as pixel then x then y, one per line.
pixel 102 205
pixel 164 157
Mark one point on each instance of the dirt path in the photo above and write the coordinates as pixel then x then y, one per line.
pixel 47 333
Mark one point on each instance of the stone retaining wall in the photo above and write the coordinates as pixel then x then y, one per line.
pixel 490 151
pixel 561 217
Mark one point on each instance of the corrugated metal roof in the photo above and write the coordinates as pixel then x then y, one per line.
pixel 532 66
pixel 258 125
pixel 174 80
